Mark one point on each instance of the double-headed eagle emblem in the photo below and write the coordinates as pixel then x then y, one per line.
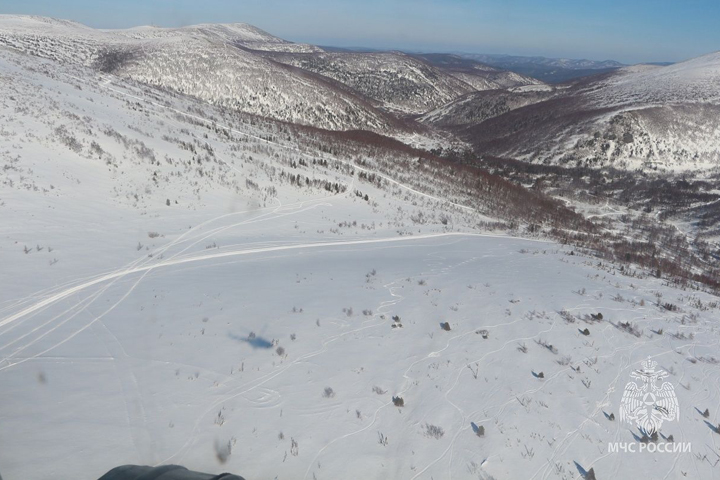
pixel 646 403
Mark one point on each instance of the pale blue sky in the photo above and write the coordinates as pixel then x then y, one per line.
pixel 624 30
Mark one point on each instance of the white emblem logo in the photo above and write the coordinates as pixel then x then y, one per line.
pixel 647 404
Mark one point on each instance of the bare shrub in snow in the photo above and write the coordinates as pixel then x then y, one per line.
pixel 67 139
pixel 567 316
pixel 434 431
pixel 547 345
pixel 220 419
pixel 629 328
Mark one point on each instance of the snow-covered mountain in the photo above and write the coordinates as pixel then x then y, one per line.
pixel 239 34
pixel 396 81
pixel 477 107
pixel 657 117
pixel 552 70
pixel 242 80
pixel 694 81
pixel 213 63
pixel 412 84
pixel 241 67
pixel 574 64
pixel 479 75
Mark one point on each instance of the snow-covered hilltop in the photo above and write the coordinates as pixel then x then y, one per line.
pixel 239 34
pixel 242 67
pixel 407 84
pixel 694 81
pixel 212 63
pixel 62 39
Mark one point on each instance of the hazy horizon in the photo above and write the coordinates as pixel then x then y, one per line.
pixel 659 31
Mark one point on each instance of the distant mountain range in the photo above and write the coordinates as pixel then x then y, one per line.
pixel 636 117
pixel 242 67
pixel 550 70
pixel 627 117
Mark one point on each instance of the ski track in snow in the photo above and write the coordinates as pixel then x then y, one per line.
pixel 136 266
pixel 145 269
pixel 143 265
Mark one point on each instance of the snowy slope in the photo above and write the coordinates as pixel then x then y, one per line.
pixel 240 34
pixel 481 76
pixel 477 107
pixel 52 38
pixel 244 81
pixel 212 63
pixel 404 83
pixel 665 118
pixel 693 81
pixel 397 81
pixel 70 134
pixel 183 284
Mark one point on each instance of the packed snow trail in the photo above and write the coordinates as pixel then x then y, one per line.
pixel 70 291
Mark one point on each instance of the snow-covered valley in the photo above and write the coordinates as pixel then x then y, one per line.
pixel 181 283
